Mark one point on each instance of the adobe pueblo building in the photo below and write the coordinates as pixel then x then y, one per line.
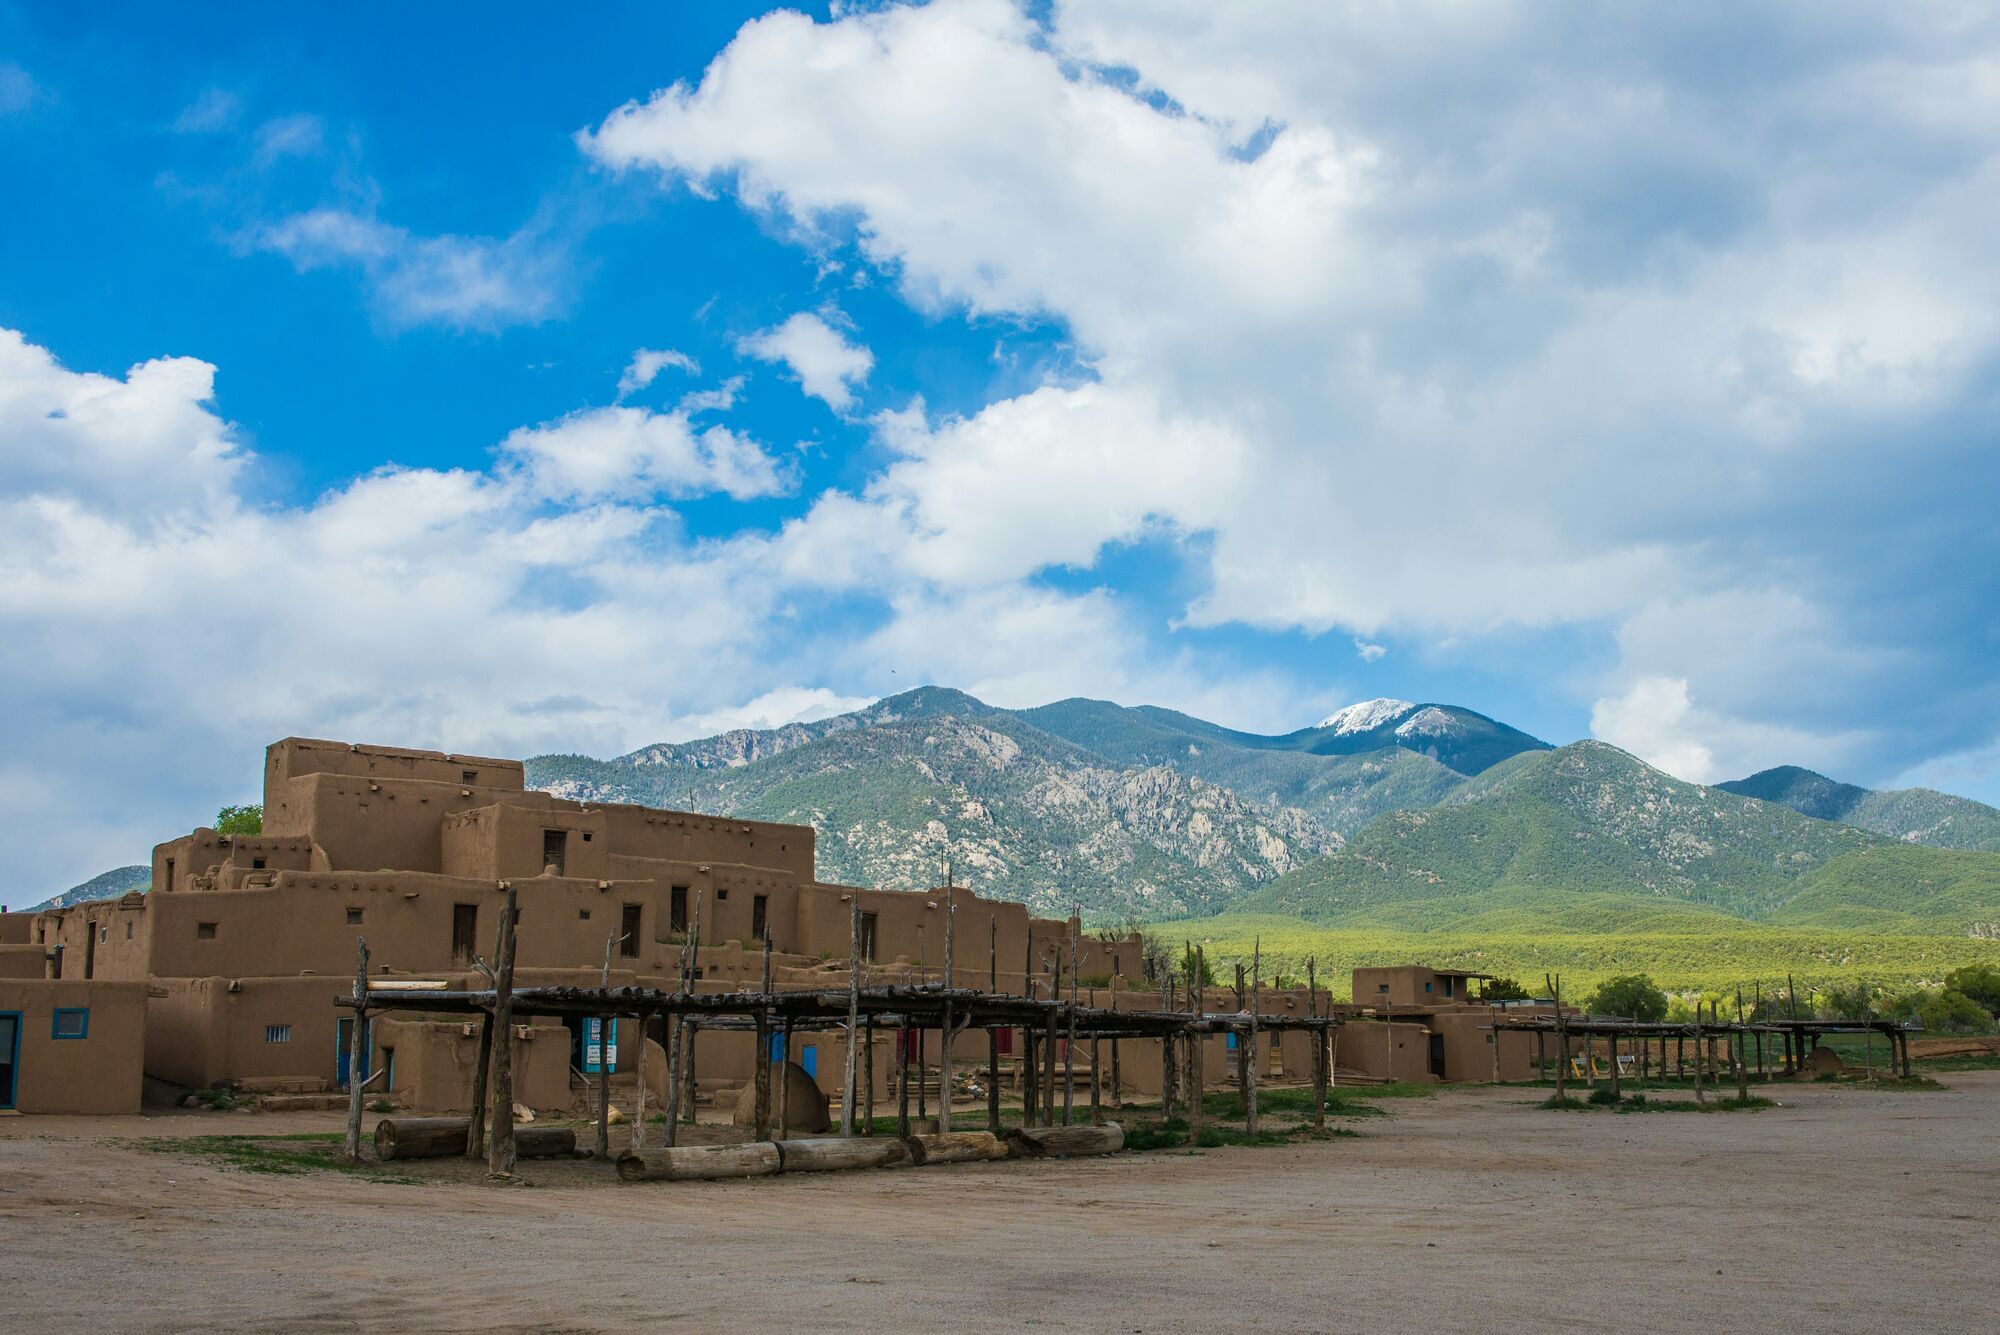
pixel 229 970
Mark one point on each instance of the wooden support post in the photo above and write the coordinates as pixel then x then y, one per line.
pixel 357 1049
pixel 1699 1095
pixel 1757 1013
pixel 1742 1062
pixel 639 1087
pixel 853 1010
pixel 923 1046
pixel 1493 1019
pixel 1196 1083
pixel 1906 1055
pixel 500 1150
pixel 1049 1053
pixel 1069 1039
pixel 1562 1036
pixel 606 1057
pixel 1250 1117
pixel 1168 1054
pixel 1611 1047
pixel 689 1030
pixel 945 1032
pixel 1242 1049
pixel 761 1071
pixel 903 1079
pixel 1117 1076
pixel 868 1075
pixel 785 1081
pixel 1096 1073
pixel 475 1125
pixel 993 1031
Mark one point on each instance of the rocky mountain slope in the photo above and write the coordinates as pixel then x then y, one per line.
pixel 104 885
pixel 1587 829
pixel 1914 815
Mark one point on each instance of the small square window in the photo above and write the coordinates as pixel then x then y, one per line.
pixel 71 1022
pixel 204 931
pixel 354 917
pixel 128 931
pixel 277 1033
pixel 721 895
pixel 468 776
pixel 586 836
pixel 583 915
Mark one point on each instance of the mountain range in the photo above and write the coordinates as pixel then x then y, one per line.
pixel 1386 814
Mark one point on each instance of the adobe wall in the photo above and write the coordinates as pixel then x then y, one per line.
pixel 16 929
pixel 106 938
pixel 297 756
pixel 1385 1050
pixel 432 1064
pixel 102 1072
pixel 1469 1043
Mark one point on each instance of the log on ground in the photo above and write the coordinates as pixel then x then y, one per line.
pixel 957 1147
pixel 441 1137
pixel 691 1163
pixel 826 1154
pixel 1039 1142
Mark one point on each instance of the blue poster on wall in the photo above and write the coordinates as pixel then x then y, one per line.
pixel 600 1045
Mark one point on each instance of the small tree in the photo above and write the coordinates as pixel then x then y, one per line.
pixel 1955 1013
pixel 1502 989
pixel 1188 961
pixel 1632 995
pixel 1980 982
pixel 1853 1002
pixel 240 820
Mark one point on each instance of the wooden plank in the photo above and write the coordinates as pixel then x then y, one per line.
pixel 687 1163
pixel 827 1154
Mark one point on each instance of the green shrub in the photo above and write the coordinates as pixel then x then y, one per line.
pixel 1603 1097
pixel 1952 1013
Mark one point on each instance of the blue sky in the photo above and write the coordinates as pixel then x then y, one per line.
pixel 510 382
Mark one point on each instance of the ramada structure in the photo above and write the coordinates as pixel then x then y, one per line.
pixel 238 968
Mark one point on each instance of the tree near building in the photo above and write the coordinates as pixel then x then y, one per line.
pixel 1980 982
pixel 247 819
pixel 1502 989
pixel 1631 995
pixel 1953 1013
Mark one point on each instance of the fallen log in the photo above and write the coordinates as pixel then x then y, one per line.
pixel 956 1147
pixel 441 1137
pixel 826 1154
pixel 691 1163
pixel 1041 1142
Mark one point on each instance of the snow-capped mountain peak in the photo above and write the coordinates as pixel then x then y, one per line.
pixel 1431 722
pixel 1366 716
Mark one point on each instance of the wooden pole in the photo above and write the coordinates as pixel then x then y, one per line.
pixel 475 1126
pixel 1742 1065
pixel 761 1071
pixel 1493 1018
pixel 1069 1040
pixel 606 1057
pixel 1049 1049
pixel 1197 1003
pixel 1250 1118
pixel 944 1038
pixel 1611 1046
pixel 1562 1037
pixel 1096 1072
pixel 903 1079
pixel 357 1048
pixel 853 1010
pixel 1242 1052
pixel 500 1150
pixel 1030 1079
pixel 1757 1000
pixel 1168 1071
pixel 993 1031
pixel 784 1078
pixel 1699 1096
pixel 868 1075
pixel 639 1086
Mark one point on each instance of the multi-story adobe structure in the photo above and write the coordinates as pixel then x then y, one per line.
pixel 245 941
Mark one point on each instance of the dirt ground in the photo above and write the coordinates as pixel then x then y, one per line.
pixel 1846 1209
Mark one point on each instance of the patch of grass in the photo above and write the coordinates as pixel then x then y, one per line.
pixel 1172 1134
pixel 1601 1101
pixel 279 1156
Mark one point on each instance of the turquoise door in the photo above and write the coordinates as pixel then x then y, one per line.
pixel 343 1032
pixel 600 1045
pixel 809 1059
pixel 10 1055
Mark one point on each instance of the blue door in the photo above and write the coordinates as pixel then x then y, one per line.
pixel 777 1049
pixel 10 1055
pixel 809 1059
pixel 598 1054
pixel 342 1033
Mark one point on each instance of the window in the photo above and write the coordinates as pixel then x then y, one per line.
pixel 554 842
pixel 1381 987
pixel 468 776
pixel 583 915
pixel 868 937
pixel 70 1022
pixel 464 932
pixel 677 909
pixel 167 881
pixel 256 864
pixel 1427 987
pixel 759 917
pixel 354 917
pixel 628 931
pixel 1447 987
pixel 204 931
pixel 721 895
pixel 586 836
pixel 277 1033
pixel 128 931
pixel 104 935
